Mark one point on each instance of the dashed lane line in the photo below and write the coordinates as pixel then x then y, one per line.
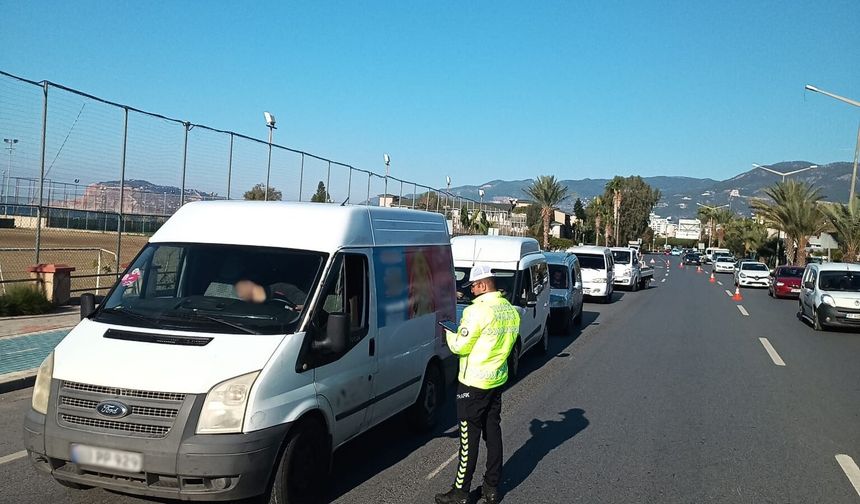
pixel 443 466
pixel 772 352
pixel 721 283
pixel 663 281
pixel 13 456
pixel 729 293
pixel 851 470
pixel 743 311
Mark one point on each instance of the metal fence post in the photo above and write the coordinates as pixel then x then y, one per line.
pixel 367 201
pixel 230 166
pixel 119 218
pixel 349 185
pixel 42 169
pixel 301 175
pixel 414 191
pixel 328 184
pixel 400 197
pixel 184 161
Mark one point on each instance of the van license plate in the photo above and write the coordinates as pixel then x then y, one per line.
pixel 104 457
pixel 853 315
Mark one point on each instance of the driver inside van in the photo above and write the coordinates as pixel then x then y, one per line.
pixel 252 292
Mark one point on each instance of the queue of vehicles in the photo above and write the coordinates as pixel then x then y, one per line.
pixel 177 387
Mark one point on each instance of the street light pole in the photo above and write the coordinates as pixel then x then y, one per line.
pixel 711 220
pixel 783 175
pixel 7 175
pixel 856 148
pixel 270 123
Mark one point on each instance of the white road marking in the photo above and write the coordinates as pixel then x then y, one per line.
pixel 772 352
pixel 851 470
pixel 14 456
pixel 743 311
pixel 444 464
pixel 721 283
pixel 21 351
pixel 729 293
pixel 663 281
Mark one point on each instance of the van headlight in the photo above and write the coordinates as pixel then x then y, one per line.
pixel 224 409
pixel 828 300
pixel 42 389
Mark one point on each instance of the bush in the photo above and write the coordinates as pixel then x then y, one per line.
pixel 20 300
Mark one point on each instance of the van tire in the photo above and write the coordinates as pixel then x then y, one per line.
pixel 816 324
pixel 578 319
pixel 543 347
pixel 514 361
pixel 424 414
pixel 304 466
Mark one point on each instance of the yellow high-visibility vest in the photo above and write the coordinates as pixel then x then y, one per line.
pixel 484 340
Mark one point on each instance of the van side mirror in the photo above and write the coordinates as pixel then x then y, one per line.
pixel 336 335
pixel 88 305
pixel 809 285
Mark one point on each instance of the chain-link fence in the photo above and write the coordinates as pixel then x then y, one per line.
pixel 86 181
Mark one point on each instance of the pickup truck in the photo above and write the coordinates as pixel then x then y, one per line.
pixel 630 270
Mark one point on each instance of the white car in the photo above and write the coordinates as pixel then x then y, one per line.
pixel 724 264
pixel 830 295
pixel 752 274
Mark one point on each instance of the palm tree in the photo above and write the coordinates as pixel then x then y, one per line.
pixel 614 188
pixel 547 192
pixel 706 215
pixel 845 220
pixel 598 209
pixel 722 218
pixel 796 210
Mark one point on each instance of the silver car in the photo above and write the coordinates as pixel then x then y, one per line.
pixel 565 295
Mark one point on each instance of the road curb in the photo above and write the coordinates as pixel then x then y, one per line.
pixel 11 382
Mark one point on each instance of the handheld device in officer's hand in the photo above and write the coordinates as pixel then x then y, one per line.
pixel 448 325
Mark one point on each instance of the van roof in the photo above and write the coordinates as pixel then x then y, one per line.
pixel 589 249
pixel 493 248
pixel 559 257
pixel 305 226
pixel 834 266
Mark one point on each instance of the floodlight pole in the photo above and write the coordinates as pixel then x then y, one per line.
pixel 856 148
pixel 783 175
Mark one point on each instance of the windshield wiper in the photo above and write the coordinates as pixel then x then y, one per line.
pixel 132 314
pixel 196 314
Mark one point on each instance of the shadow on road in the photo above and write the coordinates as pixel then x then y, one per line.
pixel 546 436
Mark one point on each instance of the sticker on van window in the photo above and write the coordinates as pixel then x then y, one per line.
pixel 130 278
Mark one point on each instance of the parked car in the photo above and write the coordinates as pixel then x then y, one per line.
pixel 180 386
pixel 676 251
pixel 565 290
pixel 598 271
pixel 752 274
pixel 785 282
pixel 521 275
pixel 693 258
pixel 627 268
pixel 830 295
pixel 724 264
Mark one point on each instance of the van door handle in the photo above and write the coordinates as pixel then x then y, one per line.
pixel 372 347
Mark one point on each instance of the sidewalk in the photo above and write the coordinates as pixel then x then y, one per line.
pixel 25 341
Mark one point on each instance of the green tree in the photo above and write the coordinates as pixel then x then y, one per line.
pixel 630 202
pixel 615 193
pixel 579 213
pixel 722 217
pixel 465 220
pixel 745 236
pixel 547 193
pixel 706 216
pixel 258 193
pixel 795 209
pixel 321 196
pixel 845 221
pixel 598 211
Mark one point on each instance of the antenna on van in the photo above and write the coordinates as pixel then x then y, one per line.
pixel 344 201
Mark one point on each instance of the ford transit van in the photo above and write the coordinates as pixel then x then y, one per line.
pixel 244 344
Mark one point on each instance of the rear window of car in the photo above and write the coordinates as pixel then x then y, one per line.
pixel 790 272
pixel 754 267
pixel 591 261
pixel 726 259
pixel 558 276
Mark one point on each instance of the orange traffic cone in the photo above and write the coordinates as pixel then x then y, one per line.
pixel 712 279
pixel 652 260
pixel 698 269
pixel 681 265
pixel 737 296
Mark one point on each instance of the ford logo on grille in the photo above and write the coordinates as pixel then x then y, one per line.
pixel 112 409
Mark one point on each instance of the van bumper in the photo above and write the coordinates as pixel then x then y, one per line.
pixel 187 466
pixel 838 317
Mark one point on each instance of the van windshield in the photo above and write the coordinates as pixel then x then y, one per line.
pixel 591 261
pixel 558 276
pixel 214 288
pixel 621 256
pixel 845 281
pixel 504 284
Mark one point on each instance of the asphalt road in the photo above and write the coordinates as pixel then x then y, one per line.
pixel 676 394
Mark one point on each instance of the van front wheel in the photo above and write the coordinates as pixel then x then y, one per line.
pixel 424 414
pixel 304 467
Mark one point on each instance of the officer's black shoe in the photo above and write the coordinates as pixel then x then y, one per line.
pixel 453 496
pixel 489 495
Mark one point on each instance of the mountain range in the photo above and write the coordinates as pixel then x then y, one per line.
pixel 681 194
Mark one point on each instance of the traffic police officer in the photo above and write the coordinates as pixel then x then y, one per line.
pixel 483 342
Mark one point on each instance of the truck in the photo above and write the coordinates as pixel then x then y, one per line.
pixel 630 269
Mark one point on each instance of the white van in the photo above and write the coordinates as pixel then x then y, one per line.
pixel 598 271
pixel 710 252
pixel 243 345
pixel 521 275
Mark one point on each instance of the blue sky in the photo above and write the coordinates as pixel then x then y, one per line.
pixel 477 90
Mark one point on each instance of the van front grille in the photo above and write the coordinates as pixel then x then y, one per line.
pixel 154 431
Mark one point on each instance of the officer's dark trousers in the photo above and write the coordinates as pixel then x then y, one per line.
pixel 479 411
